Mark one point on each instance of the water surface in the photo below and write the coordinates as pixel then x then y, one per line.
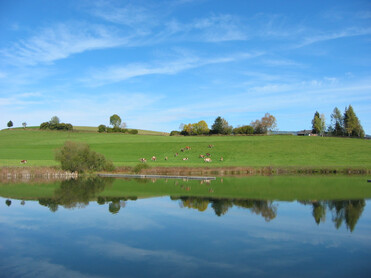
pixel 251 227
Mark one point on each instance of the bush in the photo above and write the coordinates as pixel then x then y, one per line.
pixel 75 156
pixel 139 167
pixel 56 126
pixel 174 133
pixel 44 125
pixel 246 129
pixel 124 130
pixel 102 128
pixel 133 131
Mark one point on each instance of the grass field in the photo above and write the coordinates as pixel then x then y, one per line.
pixel 251 151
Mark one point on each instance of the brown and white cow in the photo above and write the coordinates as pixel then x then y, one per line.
pixel 153 158
pixel 207 159
pixel 23 161
pixel 185 158
pixel 143 160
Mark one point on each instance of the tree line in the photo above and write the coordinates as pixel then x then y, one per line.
pixel 342 124
pixel 266 124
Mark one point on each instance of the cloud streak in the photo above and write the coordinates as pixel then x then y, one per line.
pixel 61 41
pixel 121 73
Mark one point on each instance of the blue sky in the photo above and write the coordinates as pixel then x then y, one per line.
pixel 158 64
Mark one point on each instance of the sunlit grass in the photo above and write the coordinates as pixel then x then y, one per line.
pixel 38 148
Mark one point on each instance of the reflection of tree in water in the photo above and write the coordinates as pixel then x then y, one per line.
pixel 75 193
pixel 319 212
pixel 221 206
pixel 348 211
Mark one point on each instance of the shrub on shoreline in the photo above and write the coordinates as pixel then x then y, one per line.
pixel 78 157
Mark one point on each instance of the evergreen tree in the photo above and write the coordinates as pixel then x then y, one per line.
pixel 221 126
pixel 352 124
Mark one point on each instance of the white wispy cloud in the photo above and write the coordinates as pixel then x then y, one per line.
pixel 61 41
pixel 126 14
pixel 349 32
pixel 119 73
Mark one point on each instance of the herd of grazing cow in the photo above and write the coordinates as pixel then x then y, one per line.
pixel 205 157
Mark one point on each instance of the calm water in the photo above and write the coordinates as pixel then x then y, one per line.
pixel 87 230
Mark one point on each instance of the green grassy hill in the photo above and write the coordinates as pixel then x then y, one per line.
pixel 125 150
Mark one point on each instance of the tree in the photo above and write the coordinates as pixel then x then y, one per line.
pixel 200 128
pixel 10 124
pixel 102 128
pixel 352 124
pixel 115 121
pixel 337 122
pixel 257 126
pixel 319 124
pixel 268 123
pixel 314 130
pixel 221 126
pixel 24 124
pixel 54 120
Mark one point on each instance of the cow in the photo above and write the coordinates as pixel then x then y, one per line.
pixel 143 160
pixel 211 146
pixel 202 156
pixel 165 157
pixel 176 154
pixel 187 148
pixel 221 159
pixel 23 161
pixel 185 158
pixel 207 159
pixel 153 158
pixel 182 150
pixel 207 154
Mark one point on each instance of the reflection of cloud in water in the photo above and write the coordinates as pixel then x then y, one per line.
pixel 120 250
pixel 29 267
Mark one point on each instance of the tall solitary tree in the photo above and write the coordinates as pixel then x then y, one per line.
pixel 115 120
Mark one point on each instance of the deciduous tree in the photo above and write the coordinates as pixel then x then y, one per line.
pixel 10 124
pixel 115 120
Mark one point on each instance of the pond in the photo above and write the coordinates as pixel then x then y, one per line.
pixel 309 226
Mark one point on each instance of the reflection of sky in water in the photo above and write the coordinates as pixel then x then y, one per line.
pixel 157 238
